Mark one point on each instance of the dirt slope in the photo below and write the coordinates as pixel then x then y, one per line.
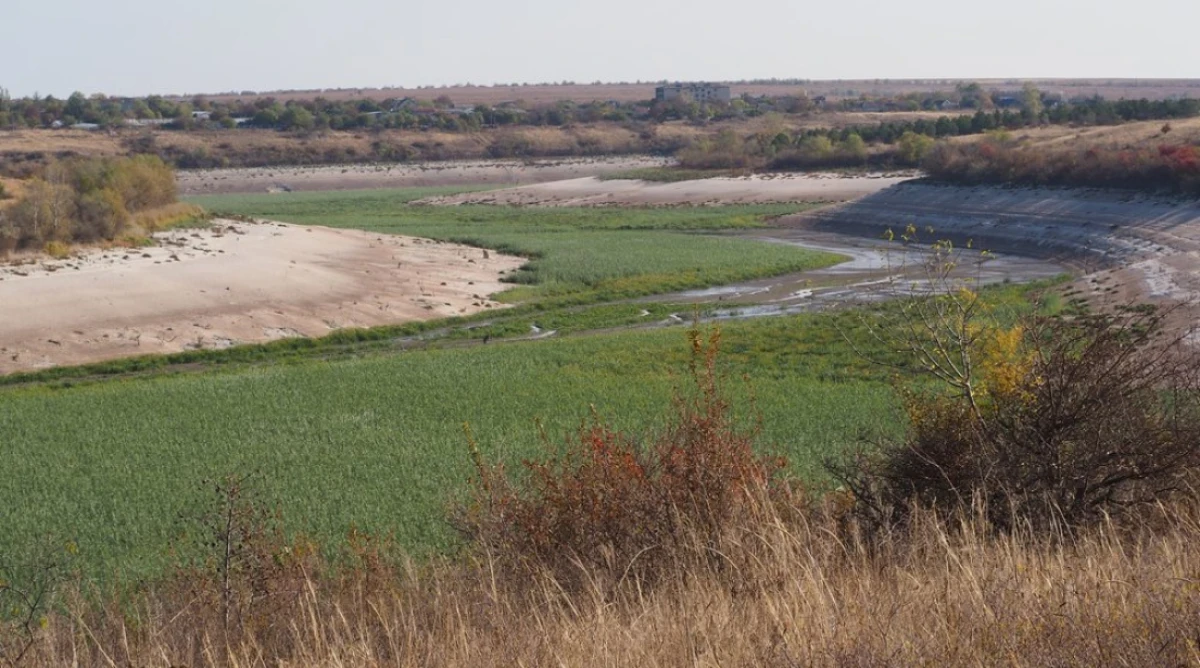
pixel 1132 246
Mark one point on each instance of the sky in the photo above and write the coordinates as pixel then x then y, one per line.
pixel 138 47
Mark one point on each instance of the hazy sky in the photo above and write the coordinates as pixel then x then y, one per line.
pixel 127 47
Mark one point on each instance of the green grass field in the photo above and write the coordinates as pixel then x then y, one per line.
pixel 376 443
pixel 576 254
pixel 670 174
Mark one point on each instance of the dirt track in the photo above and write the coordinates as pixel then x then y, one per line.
pixel 237 283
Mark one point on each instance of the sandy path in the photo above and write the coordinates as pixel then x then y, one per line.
pixel 497 173
pixel 237 283
pixel 759 188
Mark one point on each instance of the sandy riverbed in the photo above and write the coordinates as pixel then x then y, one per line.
pixel 469 173
pixel 758 188
pixel 235 283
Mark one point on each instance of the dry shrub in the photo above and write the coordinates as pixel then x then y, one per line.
pixel 167 216
pixel 1169 167
pixel 238 578
pixel 1061 422
pixel 57 250
pixel 611 504
pixel 724 151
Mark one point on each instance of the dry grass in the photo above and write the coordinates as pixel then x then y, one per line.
pixel 1144 134
pixel 160 218
pixel 13 189
pixel 783 593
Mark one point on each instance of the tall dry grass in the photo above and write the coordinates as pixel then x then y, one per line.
pixel 785 592
pixel 163 217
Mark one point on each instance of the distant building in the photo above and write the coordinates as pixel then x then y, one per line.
pixel 697 92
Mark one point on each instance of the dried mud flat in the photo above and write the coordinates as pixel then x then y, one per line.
pixel 473 173
pixel 234 283
pixel 755 189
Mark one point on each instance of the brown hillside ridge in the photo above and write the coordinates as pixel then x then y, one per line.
pixel 234 283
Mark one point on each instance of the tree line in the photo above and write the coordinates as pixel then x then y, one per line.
pixel 999 108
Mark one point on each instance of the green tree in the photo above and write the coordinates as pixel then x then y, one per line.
pixel 912 147
pixel 818 146
pixel 297 118
pixel 1031 101
pixel 855 147
pixel 266 118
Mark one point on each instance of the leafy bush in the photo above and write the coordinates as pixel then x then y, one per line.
pixel 611 505
pixel 913 147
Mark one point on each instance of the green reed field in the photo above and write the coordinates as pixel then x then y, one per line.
pixel 576 254
pixel 376 442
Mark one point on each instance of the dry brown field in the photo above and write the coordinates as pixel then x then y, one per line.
pixel 1141 133
pixel 834 89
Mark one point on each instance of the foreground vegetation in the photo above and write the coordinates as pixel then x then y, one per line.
pixel 950 593
pixel 576 254
pixel 695 548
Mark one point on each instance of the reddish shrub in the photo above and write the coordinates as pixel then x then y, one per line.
pixel 615 505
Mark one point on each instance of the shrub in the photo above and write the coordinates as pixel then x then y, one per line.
pixel 102 215
pixel 90 199
pixel 913 147
pixel 611 505
pixel 725 151
pixel 57 250
pixel 1169 167
pixel 1062 421
pixel 238 572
